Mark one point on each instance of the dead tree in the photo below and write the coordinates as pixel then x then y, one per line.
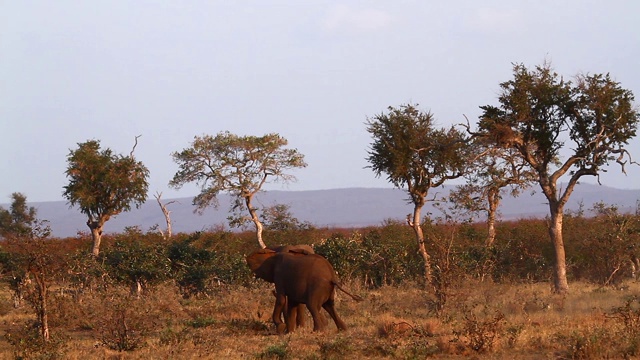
pixel 167 215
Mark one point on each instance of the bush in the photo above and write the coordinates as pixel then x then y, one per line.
pixel 136 263
pixel 192 267
pixel 345 254
pixel 27 343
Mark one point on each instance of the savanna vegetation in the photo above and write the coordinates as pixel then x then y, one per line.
pixel 193 296
pixel 447 287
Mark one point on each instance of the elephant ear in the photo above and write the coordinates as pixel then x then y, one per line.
pixel 262 263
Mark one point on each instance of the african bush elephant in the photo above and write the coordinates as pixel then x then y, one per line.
pixel 300 279
pixel 298 311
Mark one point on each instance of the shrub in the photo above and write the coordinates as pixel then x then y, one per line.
pixel 192 267
pixel 345 254
pixel 28 343
pixel 481 330
pixel 136 263
pixel 277 351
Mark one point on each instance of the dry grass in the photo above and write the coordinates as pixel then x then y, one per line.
pixel 481 320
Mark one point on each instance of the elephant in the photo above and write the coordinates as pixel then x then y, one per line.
pixel 298 311
pixel 303 249
pixel 300 279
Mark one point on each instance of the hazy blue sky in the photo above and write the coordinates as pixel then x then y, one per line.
pixel 312 71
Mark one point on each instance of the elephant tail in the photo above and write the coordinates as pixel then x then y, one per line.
pixel 354 297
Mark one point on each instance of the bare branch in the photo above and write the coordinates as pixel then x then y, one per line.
pixel 134 145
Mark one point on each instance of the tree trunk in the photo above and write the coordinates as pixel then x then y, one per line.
pixel 491 228
pixel 136 288
pixel 167 215
pixel 493 201
pixel 560 284
pixel 41 306
pixel 422 249
pixel 256 221
pixel 96 236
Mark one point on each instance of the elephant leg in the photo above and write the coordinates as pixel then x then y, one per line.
pixel 278 308
pixel 292 312
pixel 300 318
pixel 319 321
pixel 331 309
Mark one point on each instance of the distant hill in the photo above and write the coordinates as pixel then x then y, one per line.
pixel 350 207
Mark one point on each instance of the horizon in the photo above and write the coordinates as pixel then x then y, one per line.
pixel 345 207
pixel 150 197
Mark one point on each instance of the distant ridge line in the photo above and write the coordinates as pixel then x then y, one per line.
pixel 344 207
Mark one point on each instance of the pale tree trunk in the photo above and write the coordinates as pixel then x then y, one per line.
pixel 256 221
pixel 422 249
pixel 635 266
pixel 560 282
pixel 137 288
pixel 96 235
pixel 493 200
pixel 167 215
pixel 41 305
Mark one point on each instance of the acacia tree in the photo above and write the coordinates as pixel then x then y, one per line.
pixel 238 165
pixel 543 118
pixel 103 184
pixel 493 172
pixel 416 155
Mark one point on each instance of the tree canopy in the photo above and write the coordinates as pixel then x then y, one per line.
pixel 413 153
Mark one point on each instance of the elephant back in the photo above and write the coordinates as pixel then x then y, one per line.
pixel 300 249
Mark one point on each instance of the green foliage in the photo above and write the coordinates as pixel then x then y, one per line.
pixel 200 322
pixel 18 220
pixel 31 261
pixel 278 218
pixel 344 253
pixel 391 258
pixel 608 246
pixel 629 316
pixel 27 343
pixel 336 348
pixel 559 128
pixel 239 165
pixel 384 256
pixel 537 106
pixel 192 267
pixel 523 252
pixel 102 183
pixel 134 262
pixel 85 273
pixel 276 351
pixel 231 268
pixel 413 153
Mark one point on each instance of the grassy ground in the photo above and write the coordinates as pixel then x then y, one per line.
pixel 480 320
